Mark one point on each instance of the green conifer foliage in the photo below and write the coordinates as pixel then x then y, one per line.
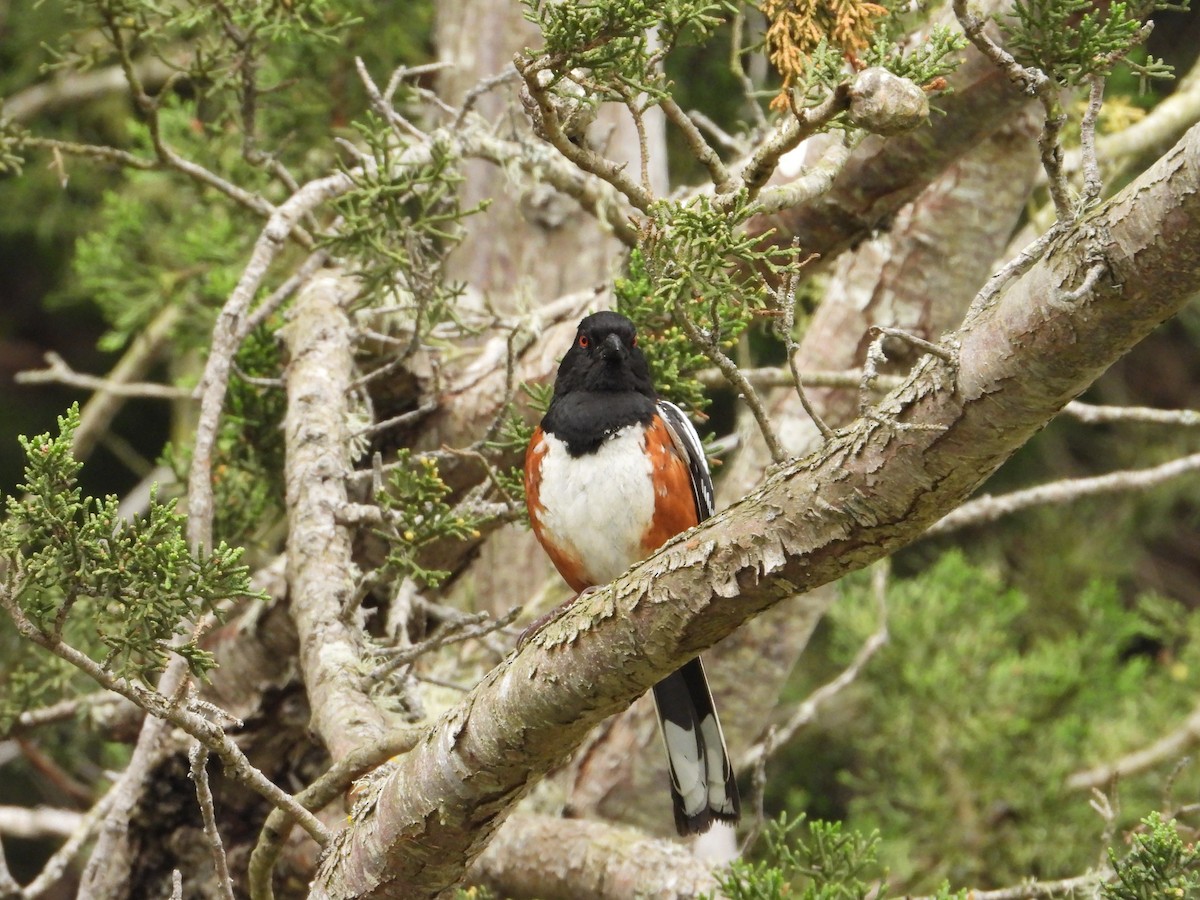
pixel 126 592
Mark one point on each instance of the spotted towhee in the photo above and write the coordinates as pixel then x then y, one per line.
pixel 611 474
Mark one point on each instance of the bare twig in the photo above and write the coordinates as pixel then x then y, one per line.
pixel 941 351
pixel 76 88
pixel 404 129
pixel 441 682
pixel 1097 415
pixel 775 377
pixel 785 296
pixel 405 418
pixel 1030 80
pixel 1092 184
pixel 46 766
pixel 754 173
pixel 1063 887
pixel 722 137
pixel 38 822
pixel 875 357
pixel 807 711
pixel 91 151
pixel 230 330
pixel 108 863
pixel 199 772
pixel 317 795
pixel 464 629
pixel 1035 83
pixel 1090 280
pixel 639 127
pixel 493 478
pixel 65 709
pixel 1050 149
pixel 989 508
pixel 737 47
pixel 1168 788
pixel 1014 268
pixel 758 789
pixel 56 866
pixel 58 372
pixel 548 124
pixel 594 193
pixel 816 181
pixel 1161 127
pixel 1169 746
pixel 700 148
pixel 257 380
pixel 285 291
pixel 488 84
pixel 145 350
pixel 711 347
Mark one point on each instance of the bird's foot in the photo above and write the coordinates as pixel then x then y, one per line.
pixel 546 618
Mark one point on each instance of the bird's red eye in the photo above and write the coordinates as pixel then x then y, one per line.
pixel 583 341
pixel 633 341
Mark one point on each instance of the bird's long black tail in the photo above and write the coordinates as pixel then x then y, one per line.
pixel 702 784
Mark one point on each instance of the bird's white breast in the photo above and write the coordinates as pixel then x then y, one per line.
pixel 600 504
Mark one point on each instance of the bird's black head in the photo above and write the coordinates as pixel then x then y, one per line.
pixel 604 358
pixel 603 385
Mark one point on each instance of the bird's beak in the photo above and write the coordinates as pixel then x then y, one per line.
pixel 612 349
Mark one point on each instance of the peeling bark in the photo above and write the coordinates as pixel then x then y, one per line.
pixel 875 487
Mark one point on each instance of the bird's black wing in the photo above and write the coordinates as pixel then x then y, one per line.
pixel 703 788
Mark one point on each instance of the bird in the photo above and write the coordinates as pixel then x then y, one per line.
pixel 612 472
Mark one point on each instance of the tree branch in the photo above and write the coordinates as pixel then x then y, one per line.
pixel 56 866
pixel 166 710
pixel 1169 746
pixel 320 570
pixel 229 332
pixel 81 87
pixel 38 821
pixel 563 859
pixel 58 372
pixel 988 508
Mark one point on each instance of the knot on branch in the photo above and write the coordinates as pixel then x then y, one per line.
pixel 886 104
